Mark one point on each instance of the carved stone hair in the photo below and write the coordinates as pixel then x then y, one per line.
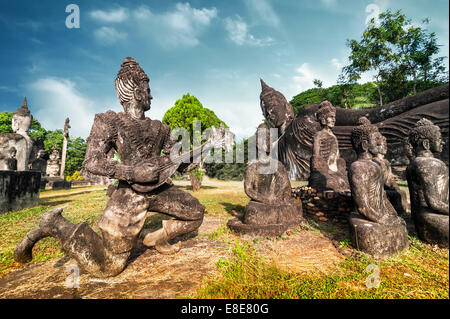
pixel 423 130
pixel 325 108
pixel 23 110
pixel 362 132
pixel 130 76
pixel 268 92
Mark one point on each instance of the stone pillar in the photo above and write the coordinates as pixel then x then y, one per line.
pixel 19 190
pixel 64 149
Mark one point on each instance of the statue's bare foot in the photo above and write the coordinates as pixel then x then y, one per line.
pixel 24 250
pixel 163 247
pixel 150 238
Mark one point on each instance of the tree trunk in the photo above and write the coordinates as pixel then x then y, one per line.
pixel 195 182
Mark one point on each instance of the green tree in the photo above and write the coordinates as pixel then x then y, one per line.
pixel 5 122
pixel 76 150
pixel 183 114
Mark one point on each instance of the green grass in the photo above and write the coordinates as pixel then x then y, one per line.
pixel 420 272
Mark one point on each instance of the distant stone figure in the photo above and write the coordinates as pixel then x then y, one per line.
pixel 21 122
pixel 8 161
pixel 328 169
pixel 54 163
pixel 396 196
pixel 375 229
pixel 39 164
pixel 428 184
pixel 272 208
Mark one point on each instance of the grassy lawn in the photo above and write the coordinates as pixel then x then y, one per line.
pixel 420 272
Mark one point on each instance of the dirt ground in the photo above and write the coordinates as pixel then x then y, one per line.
pixel 152 275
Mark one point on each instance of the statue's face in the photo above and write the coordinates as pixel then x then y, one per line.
pixel 41 154
pixel 436 143
pixel 329 120
pixel 375 143
pixel 21 123
pixel 275 109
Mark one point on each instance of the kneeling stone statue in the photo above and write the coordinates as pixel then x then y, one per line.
pixel 427 179
pixel 375 229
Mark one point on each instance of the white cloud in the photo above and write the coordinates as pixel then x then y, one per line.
pixel 108 35
pixel 264 11
pixel 328 3
pixel 111 16
pixel 337 64
pixel 56 99
pixel 238 33
pixel 179 27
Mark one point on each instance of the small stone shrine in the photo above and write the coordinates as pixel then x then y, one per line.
pixel 328 169
pixel 54 164
pixel 427 179
pixel 272 208
pixel 375 228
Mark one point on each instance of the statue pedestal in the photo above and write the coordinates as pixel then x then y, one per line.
pixel 58 183
pixel 267 220
pixel 377 239
pixel 19 190
pixel 432 228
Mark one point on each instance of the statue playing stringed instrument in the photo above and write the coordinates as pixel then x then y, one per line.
pixel 144 184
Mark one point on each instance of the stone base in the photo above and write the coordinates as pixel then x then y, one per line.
pixel 58 183
pixel 376 239
pixel 432 228
pixel 43 184
pixel 267 220
pixel 19 190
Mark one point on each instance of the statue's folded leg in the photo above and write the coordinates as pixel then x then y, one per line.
pixel 177 203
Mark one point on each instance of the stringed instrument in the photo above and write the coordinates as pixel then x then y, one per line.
pixel 167 166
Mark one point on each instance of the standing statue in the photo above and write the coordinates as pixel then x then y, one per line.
pixel 64 149
pixel 328 169
pixel 272 208
pixel 144 185
pixel 428 184
pixel 396 196
pixel 21 122
pixel 375 229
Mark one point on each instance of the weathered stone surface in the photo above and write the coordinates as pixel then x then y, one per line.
pixel 428 183
pixel 328 169
pixel 18 142
pixel 19 190
pixel 39 164
pixel 272 208
pixel 379 231
pixel 138 140
pixel 54 164
pixel 377 239
pixel 393 120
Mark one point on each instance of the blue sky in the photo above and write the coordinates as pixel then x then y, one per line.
pixel 215 50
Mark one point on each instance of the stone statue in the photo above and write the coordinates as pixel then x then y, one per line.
pixel 428 184
pixel 39 164
pixel 394 120
pixel 375 229
pixel 21 122
pixel 64 149
pixel 138 141
pixel 54 163
pixel 396 196
pixel 8 161
pixel 328 169
pixel 272 208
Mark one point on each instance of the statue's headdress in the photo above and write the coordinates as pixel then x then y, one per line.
pixel 423 130
pixel 324 109
pixel 23 110
pixel 130 76
pixel 362 132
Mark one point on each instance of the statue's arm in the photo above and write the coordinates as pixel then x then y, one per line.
pixel 100 141
pixel 431 192
pixel 317 160
pixel 249 181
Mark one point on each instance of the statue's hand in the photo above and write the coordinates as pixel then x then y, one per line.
pixel 145 173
